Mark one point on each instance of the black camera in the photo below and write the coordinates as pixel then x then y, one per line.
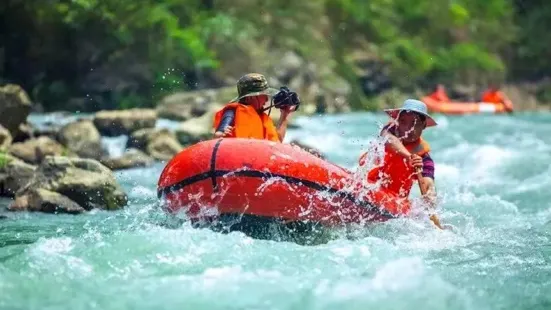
pixel 286 98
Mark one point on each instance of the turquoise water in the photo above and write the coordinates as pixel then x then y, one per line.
pixel 493 175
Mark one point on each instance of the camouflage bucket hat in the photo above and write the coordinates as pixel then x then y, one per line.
pixel 253 84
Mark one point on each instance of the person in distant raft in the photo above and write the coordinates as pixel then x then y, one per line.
pixel 439 94
pixel 244 116
pixel 407 155
pixel 495 96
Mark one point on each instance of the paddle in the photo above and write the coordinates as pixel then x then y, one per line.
pixel 433 217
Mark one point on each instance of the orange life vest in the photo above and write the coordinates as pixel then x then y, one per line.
pixel 248 123
pixel 495 97
pixel 395 172
pixel 440 96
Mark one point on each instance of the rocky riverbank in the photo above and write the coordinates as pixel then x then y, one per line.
pixel 63 167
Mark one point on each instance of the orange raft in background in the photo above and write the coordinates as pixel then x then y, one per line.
pixel 267 180
pixel 459 108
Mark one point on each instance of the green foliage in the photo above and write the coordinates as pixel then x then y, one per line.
pixel 126 54
pixel 108 46
pixel 440 38
pixel 533 49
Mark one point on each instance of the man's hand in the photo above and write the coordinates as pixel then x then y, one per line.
pixel 287 110
pixel 436 221
pixel 227 132
pixel 416 162
pixel 508 106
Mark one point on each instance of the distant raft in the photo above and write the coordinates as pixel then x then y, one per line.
pixel 460 108
pixel 235 176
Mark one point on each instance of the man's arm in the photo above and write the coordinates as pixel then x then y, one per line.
pixel 227 119
pixel 282 124
pixel 395 144
pixel 507 102
pixel 427 181
pixel 428 187
pixel 428 190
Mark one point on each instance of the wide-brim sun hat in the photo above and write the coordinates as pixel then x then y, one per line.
pixel 253 84
pixel 412 105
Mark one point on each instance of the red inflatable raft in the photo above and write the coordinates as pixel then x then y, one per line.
pixel 460 108
pixel 266 179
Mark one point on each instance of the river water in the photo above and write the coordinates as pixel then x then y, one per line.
pixel 493 175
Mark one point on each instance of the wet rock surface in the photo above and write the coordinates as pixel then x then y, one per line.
pixel 85 181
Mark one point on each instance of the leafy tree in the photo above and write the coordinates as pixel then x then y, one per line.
pixel 93 54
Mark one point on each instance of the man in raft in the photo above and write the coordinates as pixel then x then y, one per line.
pixel 439 94
pixel 406 158
pixel 244 116
pixel 495 96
